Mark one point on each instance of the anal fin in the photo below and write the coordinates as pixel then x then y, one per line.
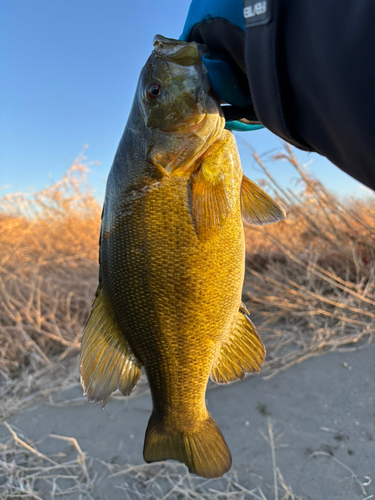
pixel 257 206
pixel 107 361
pixel 243 352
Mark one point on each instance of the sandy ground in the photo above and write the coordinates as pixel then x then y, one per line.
pixel 326 404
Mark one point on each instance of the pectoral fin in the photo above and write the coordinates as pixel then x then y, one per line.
pixel 257 206
pixel 107 361
pixel 210 200
pixel 243 352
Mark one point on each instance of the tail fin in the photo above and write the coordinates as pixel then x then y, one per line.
pixel 204 450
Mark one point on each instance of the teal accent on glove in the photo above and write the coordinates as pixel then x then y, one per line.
pixel 204 10
pixel 224 83
pixel 237 126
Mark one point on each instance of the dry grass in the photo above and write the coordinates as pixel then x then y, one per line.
pixel 28 473
pixel 309 282
pixel 311 276
pixel 69 473
pixel 48 274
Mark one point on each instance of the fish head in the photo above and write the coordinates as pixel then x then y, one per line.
pixel 181 116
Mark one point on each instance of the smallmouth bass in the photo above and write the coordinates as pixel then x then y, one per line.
pixel 172 257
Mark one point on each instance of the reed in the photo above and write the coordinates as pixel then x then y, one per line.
pixel 309 286
pixel 48 274
pixel 309 279
pixel 28 473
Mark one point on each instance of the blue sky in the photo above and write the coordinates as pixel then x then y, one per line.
pixel 68 73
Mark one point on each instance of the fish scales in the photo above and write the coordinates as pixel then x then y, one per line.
pixel 172 256
pixel 167 261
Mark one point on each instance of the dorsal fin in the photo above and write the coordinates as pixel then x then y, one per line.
pixel 107 361
pixel 242 352
pixel 257 206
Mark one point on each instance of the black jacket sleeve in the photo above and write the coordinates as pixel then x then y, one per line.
pixel 311 69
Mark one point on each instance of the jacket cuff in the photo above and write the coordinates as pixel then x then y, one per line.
pixel 266 69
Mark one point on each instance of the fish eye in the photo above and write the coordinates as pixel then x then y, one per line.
pixel 153 90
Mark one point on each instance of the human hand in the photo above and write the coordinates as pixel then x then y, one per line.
pixel 220 25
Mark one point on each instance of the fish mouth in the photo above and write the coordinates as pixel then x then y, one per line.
pixel 178 51
pixel 193 126
pixel 188 126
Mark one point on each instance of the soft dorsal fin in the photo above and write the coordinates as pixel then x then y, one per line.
pixel 107 361
pixel 257 206
pixel 242 352
pixel 210 201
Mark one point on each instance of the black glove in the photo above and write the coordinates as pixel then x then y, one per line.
pixel 220 25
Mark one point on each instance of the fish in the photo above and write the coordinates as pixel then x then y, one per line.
pixel 171 261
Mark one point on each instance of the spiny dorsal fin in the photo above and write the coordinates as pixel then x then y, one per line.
pixel 257 206
pixel 243 352
pixel 210 200
pixel 107 361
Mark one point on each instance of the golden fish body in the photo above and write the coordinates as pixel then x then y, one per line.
pixel 176 297
pixel 172 256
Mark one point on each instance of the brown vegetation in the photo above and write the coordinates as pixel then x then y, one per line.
pixel 309 286
pixel 35 475
pixel 309 281
pixel 48 275
pixel 311 276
